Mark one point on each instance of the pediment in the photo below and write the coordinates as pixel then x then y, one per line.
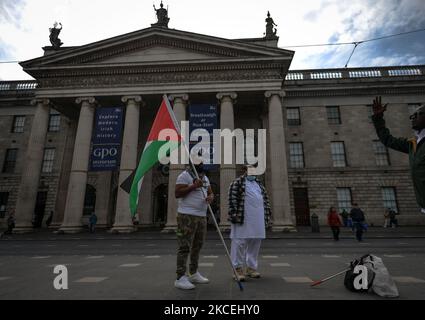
pixel 155 45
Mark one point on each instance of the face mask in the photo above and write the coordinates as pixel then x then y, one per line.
pixel 250 178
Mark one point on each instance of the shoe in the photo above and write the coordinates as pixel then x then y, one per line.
pixel 198 278
pixel 184 283
pixel 240 273
pixel 252 273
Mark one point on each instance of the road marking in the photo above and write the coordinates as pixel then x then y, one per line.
pixel 5 278
pixel 393 256
pixel 91 279
pixel 206 264
pixel 280 264
pixel 210 257
pixel 152 257
pixel 270 257
pixel 402 243
pixel 95 257
pixel 408 280
pixel 130 265
pixel 297 279
pixel 40 257
pixel 330 256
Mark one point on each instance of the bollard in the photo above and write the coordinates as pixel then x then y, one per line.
pixel 315 223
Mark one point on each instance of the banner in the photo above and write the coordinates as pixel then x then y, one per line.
pixel 204 116
pixel 106 141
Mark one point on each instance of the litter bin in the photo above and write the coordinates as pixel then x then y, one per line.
pixel 315 223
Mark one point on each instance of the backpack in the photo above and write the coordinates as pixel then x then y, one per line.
pixel 350 276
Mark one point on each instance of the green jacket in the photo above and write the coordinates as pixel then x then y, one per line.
pixel 416 156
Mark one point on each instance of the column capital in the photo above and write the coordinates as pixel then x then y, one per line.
pixel 137 99
pixel 90 100
pixel 36 101
pixel 280 93
pixel 182 96
pixel 221 95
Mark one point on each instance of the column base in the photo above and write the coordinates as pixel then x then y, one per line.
pixel 284 228
pixel 23 230
pixel 69 230
pixel 169 229
pixel 123 229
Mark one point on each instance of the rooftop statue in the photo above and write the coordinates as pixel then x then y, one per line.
pixel 54 34
pixel 270 34
pixel 162 16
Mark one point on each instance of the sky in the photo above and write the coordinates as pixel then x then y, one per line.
pixel 24 27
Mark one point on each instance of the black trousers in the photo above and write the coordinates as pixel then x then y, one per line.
pixel 359 230
pixel 335 231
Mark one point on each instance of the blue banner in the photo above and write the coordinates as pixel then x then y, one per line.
pixel 106 140
pixel 204 116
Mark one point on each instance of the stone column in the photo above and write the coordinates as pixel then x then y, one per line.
pixel 80 160
pixel 123 222
pixel 103 194
pixel 279 192
pixel 28 188
pixel 179 108
pixel 227 171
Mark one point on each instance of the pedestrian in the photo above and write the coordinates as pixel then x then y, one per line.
pixel 387 217
pixel 194 196
pixel 344 216
pixel 92 222
pixel 249 214
pixel 358 221
pixel 413 147
pixel 393 220
pixel 334 222
pixel 49 219
pixel 10 223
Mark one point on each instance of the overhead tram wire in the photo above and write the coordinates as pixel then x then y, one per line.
pixel 355 43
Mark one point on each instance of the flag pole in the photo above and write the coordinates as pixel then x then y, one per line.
pixel 165 97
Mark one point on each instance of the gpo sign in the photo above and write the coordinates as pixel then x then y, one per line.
pixel 105 152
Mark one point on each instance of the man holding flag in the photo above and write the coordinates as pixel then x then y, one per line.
pixel 191 223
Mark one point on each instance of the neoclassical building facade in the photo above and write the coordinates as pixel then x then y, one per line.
pixel 322 150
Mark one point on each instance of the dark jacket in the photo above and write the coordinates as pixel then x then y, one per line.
pixel 357 215
pixel 237 201
pixel 416 154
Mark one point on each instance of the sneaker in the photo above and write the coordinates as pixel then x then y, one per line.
pixel 198 278
pixel 252 273
pixel 184 283
pixel 240 274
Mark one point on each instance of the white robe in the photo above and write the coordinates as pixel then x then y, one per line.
pixel 253 226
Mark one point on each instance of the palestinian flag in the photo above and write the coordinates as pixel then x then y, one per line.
pixel 164 119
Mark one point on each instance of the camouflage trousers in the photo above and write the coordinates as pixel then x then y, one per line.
pixel 191 232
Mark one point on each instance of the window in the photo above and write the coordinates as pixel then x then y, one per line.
pixel 10 160
pixel 344 199
pixel 338 154
pixel 369 112
pixel 4 196
pixel 18 124
pixel 54 122
pixel 296 155
pixel 389 197
pixel 293 116
pixel 334 116
pixel 48 159
pixel 381 154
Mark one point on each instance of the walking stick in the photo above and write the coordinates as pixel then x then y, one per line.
pixel 315 283
pixel 205 196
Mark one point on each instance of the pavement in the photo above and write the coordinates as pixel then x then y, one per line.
pixel 141 266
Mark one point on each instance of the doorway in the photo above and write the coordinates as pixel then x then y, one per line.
pixel 40 206
pixel 160 205
pixel 302 208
